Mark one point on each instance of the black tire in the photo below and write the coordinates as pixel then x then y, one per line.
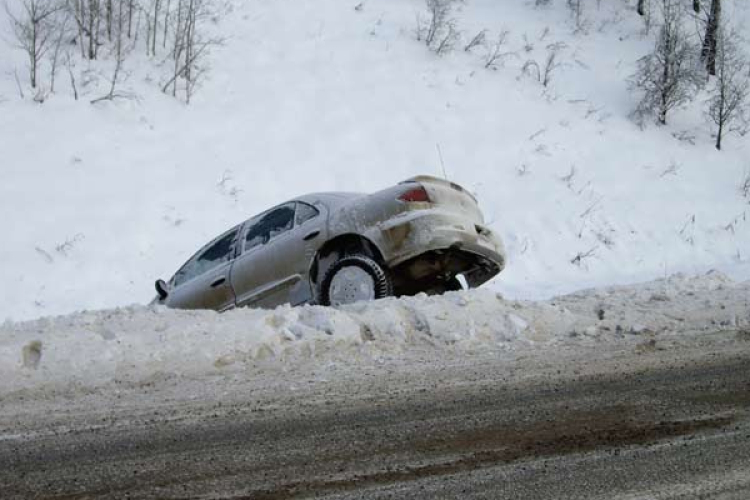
pixel 380 276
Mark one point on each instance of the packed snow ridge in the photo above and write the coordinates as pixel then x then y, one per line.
pixel 138 343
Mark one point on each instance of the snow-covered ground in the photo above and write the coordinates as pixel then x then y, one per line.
pixel 97 201
pixel 147 345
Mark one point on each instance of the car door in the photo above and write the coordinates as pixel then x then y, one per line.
pixel 277 248
pixel 204 281
pixel 309 235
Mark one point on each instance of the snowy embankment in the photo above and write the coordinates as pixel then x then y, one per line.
pixel 141 343
pixel 98 201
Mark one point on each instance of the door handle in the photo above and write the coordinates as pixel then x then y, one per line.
pixel 219 282
pixel 310 236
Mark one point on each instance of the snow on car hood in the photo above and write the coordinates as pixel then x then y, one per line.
pixel 134 343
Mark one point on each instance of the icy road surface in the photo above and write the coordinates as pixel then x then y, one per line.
pixel 629 392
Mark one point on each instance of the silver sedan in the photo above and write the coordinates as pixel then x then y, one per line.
pixel 339 248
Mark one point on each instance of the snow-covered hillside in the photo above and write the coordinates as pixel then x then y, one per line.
pixel 97 201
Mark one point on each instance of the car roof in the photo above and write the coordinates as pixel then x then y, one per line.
pixel 331 199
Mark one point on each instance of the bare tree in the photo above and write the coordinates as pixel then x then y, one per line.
pixel 166 23
pixel 551 64
pixel 87 14
pixel 576 8
pixel 119 53
pixel 154 30
pixel 496 54
pixel 62 32
pixel 440 33
pixel 45 29
pixel 708 52
pixel 728 104
pixel 73 85
pixel 190 47
pixel 131 9
pixel 667 77
pixel 34 31
pixel 479 39
pixel 440 11
pixel 93 28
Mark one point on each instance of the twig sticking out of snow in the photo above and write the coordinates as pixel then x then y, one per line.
pixel 537 134
pixel 44 254
pixel 580 257
pixel 745 185
pixel 673 168
pixel 495 56
pixel 531 68
pixel 730 228
pixel 568 179
pixel 688 230
pixel 66 246
pixel 479 40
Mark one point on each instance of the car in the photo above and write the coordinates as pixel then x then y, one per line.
pixel 338 248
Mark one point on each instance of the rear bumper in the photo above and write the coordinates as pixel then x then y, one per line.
pixel 497 258
pixel 489 263
pixel 423 231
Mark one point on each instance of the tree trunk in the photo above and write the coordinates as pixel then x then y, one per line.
pixel 109 20
pixel 708 52
pixel 157 4
pixel 98 26
pixel 178 45
pixel 92 43
pixel 166 23
pixel 32 49
pixel 665 74
pixel 80 13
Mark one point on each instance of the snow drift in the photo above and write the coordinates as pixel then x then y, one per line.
pixel 137 343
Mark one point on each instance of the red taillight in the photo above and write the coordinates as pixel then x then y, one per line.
pixel 418 194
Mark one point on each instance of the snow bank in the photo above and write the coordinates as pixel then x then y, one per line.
pixel 138 343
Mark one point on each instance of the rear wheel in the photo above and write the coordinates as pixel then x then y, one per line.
pixel 352 279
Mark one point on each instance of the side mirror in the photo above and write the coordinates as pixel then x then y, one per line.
pixel 162 289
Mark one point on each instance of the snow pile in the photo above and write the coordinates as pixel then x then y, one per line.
pixel 138 343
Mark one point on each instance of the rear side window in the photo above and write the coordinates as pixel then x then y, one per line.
pixel 305 212
pixel 217 253
pixel 276 222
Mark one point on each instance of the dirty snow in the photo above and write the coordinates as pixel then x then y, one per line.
pixel 141 343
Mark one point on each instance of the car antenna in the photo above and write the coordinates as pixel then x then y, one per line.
pixel 442 163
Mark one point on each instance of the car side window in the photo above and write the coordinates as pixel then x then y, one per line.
pixel 217 253
pixel 305 212
pixel 275 222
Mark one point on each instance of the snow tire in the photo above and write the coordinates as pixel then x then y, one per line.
pixel 381 278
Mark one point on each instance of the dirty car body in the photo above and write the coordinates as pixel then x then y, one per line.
pixel 337 248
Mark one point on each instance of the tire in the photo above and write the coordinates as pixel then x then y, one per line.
pixel 380 281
